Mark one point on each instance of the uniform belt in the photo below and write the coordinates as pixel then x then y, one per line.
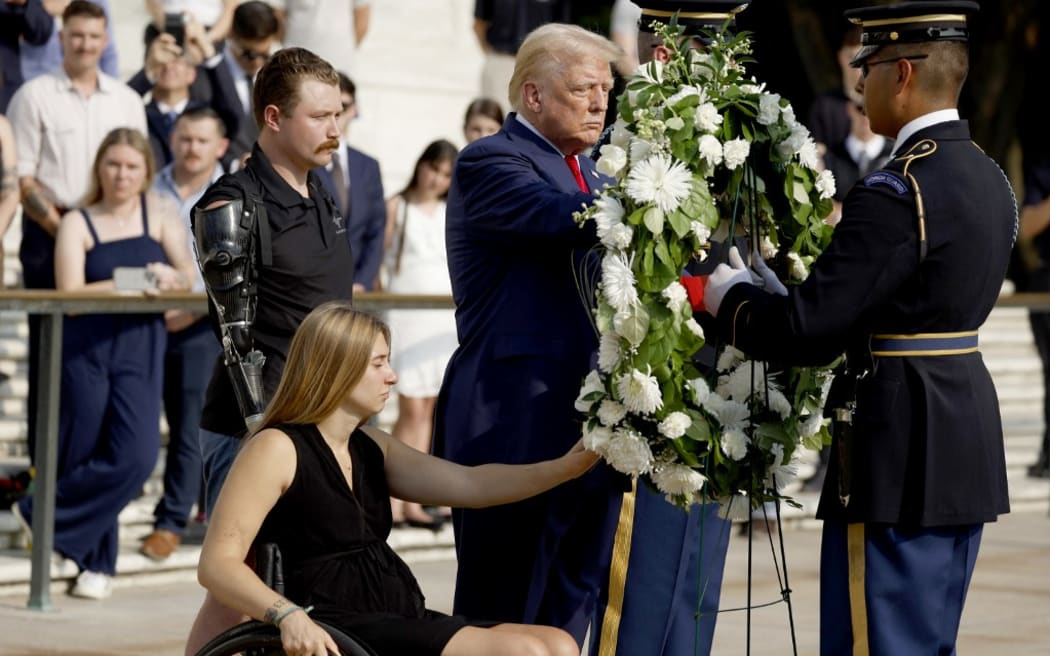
pixel 924 344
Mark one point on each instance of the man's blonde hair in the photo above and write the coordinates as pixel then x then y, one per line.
pixel 549 49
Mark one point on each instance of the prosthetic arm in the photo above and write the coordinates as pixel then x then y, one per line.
pixel 226 243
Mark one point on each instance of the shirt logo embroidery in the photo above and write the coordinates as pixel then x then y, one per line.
pixel 337 221
pixel 888 179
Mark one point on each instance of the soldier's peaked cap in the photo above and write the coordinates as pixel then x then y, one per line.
pixel 909 22
pixel 694 15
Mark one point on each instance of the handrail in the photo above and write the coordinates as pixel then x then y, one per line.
pixel 51 305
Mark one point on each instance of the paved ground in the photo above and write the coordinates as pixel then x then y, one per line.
pixel 1007 611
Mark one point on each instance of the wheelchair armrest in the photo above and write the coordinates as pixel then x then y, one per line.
pixel 269 567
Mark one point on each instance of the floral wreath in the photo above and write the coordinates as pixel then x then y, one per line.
pixel 697 145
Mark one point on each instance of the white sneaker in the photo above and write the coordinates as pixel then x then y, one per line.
pixel 93 585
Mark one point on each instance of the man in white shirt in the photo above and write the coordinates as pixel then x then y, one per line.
pixel 59 120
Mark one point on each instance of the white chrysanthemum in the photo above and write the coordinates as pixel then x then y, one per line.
pixel 700 231
pixel 766 248
pixel 618 237
pixel 674 425
pixel 640 149
pixel 730 414
pixel 611 412
pixel 811 424
pixel 608 213
pixel 678 480
pixel 618 282
pixel 621 135
pixel 707 117
pixel 700 391
pixel 659 180
pixel 628 453
pixel 796 267
pixel 735 152
pixel 639 392
pixel 729 358
pixel 675 296
pixel 591 384
pixel 609 352
pixel 780 473
pixel 597 438
pixel 734 443
pixel 768 108
pixel 825 184
pixel 779 403
pixel 807 155
pixel 710 149
pixel 685 92
pixel 737 384
pixel 612 160
pixel 794 141
pixel 694 327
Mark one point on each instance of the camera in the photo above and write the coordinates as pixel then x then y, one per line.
pixel 175 25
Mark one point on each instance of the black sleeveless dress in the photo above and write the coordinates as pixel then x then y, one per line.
pixel 336 559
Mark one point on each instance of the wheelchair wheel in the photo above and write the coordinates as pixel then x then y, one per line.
pixel 258 639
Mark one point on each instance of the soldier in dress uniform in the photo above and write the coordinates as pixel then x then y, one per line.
pixel 912 271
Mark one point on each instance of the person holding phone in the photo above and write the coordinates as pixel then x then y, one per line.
pixel 109 434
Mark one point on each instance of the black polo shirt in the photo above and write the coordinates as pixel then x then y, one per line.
pixel 311 265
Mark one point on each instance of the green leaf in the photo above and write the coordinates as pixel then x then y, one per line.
pixel 654 220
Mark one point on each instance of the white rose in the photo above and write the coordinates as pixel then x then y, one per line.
pixel 674 425
pixel 768 108
pixel 735 152
pixel 710 149
pixel 612 160
pixel 707 117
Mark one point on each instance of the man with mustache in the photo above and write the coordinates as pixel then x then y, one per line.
pixel 301 259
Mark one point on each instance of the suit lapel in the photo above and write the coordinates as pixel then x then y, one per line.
pixel 543 153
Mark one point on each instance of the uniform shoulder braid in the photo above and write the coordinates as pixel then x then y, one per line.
pixel 897 175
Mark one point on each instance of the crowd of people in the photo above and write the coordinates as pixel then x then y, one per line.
pixel 226 147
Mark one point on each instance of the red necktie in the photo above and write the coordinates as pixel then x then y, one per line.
pixel 574 166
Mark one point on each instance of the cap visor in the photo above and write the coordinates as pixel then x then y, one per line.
pixel 862 54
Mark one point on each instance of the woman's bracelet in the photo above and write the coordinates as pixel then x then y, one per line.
pixel 276 621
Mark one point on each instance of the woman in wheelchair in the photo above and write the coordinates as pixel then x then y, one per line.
pixel 317 483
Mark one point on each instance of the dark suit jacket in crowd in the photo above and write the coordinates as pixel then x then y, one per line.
pixel 365 213
pixel 214 87
pixel 525 344
pixel 29 23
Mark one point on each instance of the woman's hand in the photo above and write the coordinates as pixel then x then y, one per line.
pixel 300 636
pixel 578 460
pixel 168 279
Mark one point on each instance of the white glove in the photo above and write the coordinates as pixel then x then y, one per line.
pixel 770 282
pixel 723 278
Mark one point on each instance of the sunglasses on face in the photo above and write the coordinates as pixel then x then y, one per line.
pixel 892 60
pixel 251 55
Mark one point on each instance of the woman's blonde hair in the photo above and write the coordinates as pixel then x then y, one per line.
pixel 328 357
pixel 121 137
pixel 548 49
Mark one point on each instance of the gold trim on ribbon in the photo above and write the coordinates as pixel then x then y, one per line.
pixel 903 354
pixel 903 20
pixel 965 333
pixel 621 555
pixel 858 606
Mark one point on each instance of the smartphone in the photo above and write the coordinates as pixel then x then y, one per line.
pixel 175 25
pixel 133 279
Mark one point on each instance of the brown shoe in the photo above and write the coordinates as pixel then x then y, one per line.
pixel 160 544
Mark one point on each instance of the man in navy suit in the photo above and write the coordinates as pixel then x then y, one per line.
pixel 519 267
pixel 225 80
pixel 353 180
